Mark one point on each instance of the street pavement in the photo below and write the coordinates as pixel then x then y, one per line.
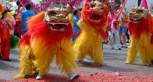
pixel 114 63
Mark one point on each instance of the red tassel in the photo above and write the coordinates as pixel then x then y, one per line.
pixel 103 33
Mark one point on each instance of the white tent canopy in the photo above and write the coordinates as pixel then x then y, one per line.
pixel 36 1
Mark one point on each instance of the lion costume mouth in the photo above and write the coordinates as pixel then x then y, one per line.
pixel 58 26
pixel 95 18
pixel 136 19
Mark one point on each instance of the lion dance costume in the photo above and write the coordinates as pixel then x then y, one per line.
pixel 4 37
pixel 49 34
pixel 92 24
pixel 141 35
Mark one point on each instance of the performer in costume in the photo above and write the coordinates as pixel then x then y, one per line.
pixel 114 35
pixel 8 18
pixel 141 35
pixel 49 34
pixel 76 18
pixel 18 26
pixel 92 25
pixel 25 16
pixel 4 36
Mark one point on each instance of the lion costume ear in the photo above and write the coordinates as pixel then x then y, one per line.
pixel 2 8
pixel 36 19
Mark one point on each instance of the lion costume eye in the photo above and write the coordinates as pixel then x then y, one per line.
pixel 92 4
pixel 57 14
pixel 101 8
pixel 51 13
pixel 140 11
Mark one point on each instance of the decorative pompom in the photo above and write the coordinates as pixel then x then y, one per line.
pixel 14 40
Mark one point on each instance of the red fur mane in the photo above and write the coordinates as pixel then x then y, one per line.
pixel 37 28
pixel 146 26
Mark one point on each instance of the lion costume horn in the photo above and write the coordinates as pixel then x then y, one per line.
pixel 144 4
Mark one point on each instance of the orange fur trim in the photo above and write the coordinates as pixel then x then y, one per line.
pixel 35 20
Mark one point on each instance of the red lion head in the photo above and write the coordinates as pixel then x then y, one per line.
pixel 95 13
pixel 140 21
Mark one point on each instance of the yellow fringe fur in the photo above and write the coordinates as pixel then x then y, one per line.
pixel 39 56
pixel 26 61
pixel 63 52
pixel 143 46
pixel 89 42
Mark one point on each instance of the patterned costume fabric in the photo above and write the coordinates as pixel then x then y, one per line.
pixel 92 25
pixel 42 43
pixel 140 28
pixel 114 35
pixel 4 37
pixel 4 40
